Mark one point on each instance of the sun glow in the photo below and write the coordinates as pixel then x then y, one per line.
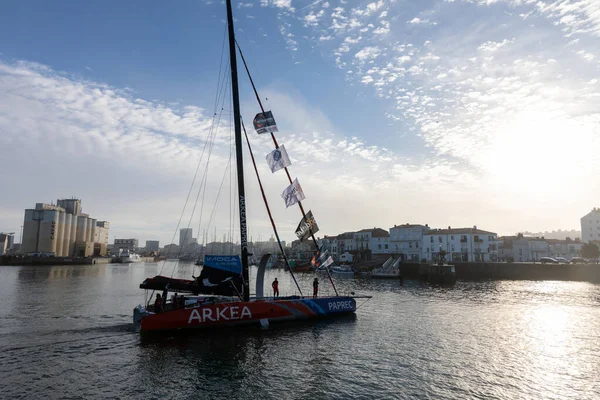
pixel 540 151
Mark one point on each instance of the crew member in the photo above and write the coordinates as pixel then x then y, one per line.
pixel 158 303
pixel 315 287
pixel 275 285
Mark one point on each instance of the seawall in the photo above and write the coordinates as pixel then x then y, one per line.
pixel 516 271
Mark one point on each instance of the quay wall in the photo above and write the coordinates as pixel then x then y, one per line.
pixel 50 261
pixel 516 271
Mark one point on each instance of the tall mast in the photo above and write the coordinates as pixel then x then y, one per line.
pixel 238 151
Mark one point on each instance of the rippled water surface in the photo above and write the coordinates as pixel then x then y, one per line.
pixel 65 332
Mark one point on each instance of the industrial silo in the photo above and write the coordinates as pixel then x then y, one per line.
pixel 67 235
pixel 48 231
pixel 31 231
pixel 73 235
pixel 60 232
pixel 88 233
pixel 94 237
pixel 81 228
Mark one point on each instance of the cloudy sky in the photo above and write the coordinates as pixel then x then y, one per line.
pixel 446 112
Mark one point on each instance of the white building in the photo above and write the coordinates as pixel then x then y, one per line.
pixel 460 245
pixel 345 242
pixel 407 240
pixel 329 243
pixel 375 239
pixel 565 248
pixel 590 226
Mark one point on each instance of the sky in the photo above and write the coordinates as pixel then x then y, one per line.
pixel 440 112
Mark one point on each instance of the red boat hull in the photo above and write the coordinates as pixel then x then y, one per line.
pixel 250 312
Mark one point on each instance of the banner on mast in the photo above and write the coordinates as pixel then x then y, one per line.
pixel 293 194
pixel 306 227
pixel 278 159
pixel 264 122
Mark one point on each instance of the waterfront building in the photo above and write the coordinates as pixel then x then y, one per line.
pixel 590 226
pixel 460 245
pixel 407 239
pixel 186 236
pixel 329 243
pixel 152 245
pixel 6 242
pixel 259 248
pixel 63 230
pixel 303 250
pixel 565 248
pixel 374 239
pixel 344 242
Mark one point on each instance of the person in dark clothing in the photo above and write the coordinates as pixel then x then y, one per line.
pixel 174 302
pixel 316 287
pixel 158 303
pixel 275 286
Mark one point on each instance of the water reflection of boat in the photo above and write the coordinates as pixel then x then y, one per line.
pixel 220 296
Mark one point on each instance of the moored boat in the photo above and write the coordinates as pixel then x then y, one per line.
pixel 127 257
pixel 342 270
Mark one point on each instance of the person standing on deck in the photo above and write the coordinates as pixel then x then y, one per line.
pixel 315 287
pixel 158 304
pixel 275 285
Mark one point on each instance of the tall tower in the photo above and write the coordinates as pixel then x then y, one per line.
pixel 185 237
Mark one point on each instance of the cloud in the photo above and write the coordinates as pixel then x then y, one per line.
pixel 68 136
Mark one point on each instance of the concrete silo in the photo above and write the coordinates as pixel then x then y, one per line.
pixel 67 235
pixel 73 236
pixel 94 237
pixel 81 228
pixel 60 232
pixel 31 231
pixel 88 234
pixel 48 231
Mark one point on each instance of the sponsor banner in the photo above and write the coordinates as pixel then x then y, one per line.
pixel 278 159
pixel 293 194
pixel 225 263
pixel 306 227
pixel 264 122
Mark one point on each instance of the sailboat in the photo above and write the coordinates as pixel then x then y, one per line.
pixel 220 296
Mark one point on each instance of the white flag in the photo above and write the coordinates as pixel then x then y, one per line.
pixel 293 194
pixel 278 159
pixel 327 262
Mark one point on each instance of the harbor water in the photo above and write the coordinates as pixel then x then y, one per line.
pixel 66 333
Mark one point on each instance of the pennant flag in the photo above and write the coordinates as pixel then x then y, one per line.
pixel 327 262
pixel 264 122
pixel 293 194
pixel 306 227
pixel 278 159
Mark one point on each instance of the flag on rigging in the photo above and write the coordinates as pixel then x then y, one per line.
pixel 278 159
pixel 321 260
pixel 307 226
pixel 293 194
pixel 327 262
pixel 264 122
